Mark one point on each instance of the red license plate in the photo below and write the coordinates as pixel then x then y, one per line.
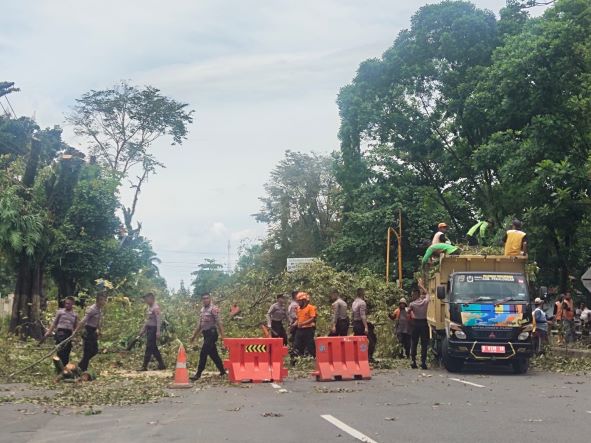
pixel 493 349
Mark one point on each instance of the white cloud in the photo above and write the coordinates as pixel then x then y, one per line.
pixel 262 75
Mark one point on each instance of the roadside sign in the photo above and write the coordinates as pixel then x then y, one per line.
pixel 586 279
pixel 293 264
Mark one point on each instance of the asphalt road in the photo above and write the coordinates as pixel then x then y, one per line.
pixel 395 406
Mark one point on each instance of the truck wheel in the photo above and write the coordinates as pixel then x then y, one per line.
pixel 520 365
pixel 436 344
pixel 452 364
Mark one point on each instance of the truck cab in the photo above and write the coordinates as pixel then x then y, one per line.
pixel 480 311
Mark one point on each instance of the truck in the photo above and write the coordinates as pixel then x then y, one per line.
pixel 480 311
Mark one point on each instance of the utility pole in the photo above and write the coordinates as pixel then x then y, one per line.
pixel 398 234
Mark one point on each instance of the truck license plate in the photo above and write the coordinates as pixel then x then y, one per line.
pixel 493 349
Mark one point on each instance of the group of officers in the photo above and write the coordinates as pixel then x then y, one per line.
pixel 66 325
pixel 299 318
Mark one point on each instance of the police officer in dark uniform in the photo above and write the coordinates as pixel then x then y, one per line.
pixel 209 324
pixel 64 324
pixel 151 329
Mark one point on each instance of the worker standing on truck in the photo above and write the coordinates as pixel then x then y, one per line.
pixel 418 311
pixel 478 234
pixel 306 326
pixel 64 324
pixel 92 324
pixel 276 316
pixel 515 240
pixel 208 325
pixel 151 329
pixel 438 249
pixel 402 327
pixel 439 236
pixel 340 315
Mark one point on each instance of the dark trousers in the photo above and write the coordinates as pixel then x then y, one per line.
pixel 64 352
pixel 358 328
pixel 152 348
pixel 210 349
pixel 90 347
pixel 405 340
pixel 341 328
pixel 278 331
pixel 420 332
pixel 372 338
pixel 304 341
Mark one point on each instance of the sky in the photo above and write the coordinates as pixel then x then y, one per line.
pixel 262 77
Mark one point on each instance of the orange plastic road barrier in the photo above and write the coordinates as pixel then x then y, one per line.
pixel 181 374
pixel 255 360
pixel 342 358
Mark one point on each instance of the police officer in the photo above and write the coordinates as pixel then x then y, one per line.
pixel 64 324
pixel 276 316
pixel 420 331
pixel 359 309
pixel 340 315
pixel 209 324
pixel 360 324
pixel 151 329
pixel 292 315
pixel 92 323
pixel 306 326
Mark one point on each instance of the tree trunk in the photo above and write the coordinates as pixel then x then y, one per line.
pixel 66 287
pixel 26 310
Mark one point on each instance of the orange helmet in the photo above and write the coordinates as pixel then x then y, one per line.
pixel 303 296
pixel 442 225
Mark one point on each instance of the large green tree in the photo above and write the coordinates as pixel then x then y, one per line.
pixel 121 124
pixel 478 118
pixel 301 208
pixel 208 277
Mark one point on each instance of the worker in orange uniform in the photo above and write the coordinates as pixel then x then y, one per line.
pixel 558 318
pixel 439 236
pixel 568 317
pixel 402 326
pixel 306 326
pixel 515 240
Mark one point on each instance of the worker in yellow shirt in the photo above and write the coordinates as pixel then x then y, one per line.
pixel 515 240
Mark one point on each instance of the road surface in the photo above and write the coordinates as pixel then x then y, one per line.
pixel 395 406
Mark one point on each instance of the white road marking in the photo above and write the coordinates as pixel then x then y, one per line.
pixel 348 429
pixel 275 386
pixel 466 382
pixel 588 412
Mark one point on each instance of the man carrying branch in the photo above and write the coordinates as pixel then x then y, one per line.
pixel 64 324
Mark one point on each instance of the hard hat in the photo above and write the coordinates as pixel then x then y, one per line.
pixel 403 300
pixel 302 296
pixel 538 301
pixel 442 225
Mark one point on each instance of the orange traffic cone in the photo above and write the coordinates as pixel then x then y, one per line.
pixel 181 374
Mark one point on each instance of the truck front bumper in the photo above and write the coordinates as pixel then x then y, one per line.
pixel 472 350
